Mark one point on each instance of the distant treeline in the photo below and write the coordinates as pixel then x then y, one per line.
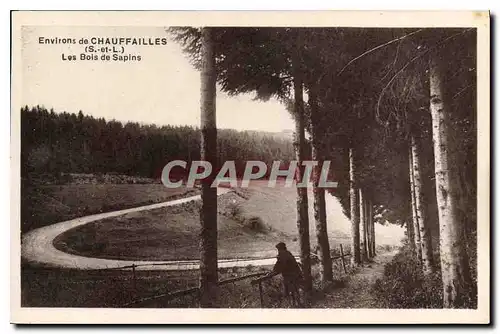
pixel 62 142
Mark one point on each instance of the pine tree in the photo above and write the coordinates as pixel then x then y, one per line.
pixel 454 261
pixel 208 238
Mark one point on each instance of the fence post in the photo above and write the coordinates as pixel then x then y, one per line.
pixel 261 295
pixel 342 257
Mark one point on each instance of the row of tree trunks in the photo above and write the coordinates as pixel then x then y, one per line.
pixel 362 224
pixel 325 259
pixel 453 256
pixel 455 271
pixel 367 225
pixel 454 263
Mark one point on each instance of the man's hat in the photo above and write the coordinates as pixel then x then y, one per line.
pixel 281 245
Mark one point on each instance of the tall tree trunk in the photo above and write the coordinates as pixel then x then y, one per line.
pixel 410 235
pixel 362 226
pixel 355 250
pixel 454 262
pixel 302 202
pixel 369 229
pixel 416 229
pixel 319 193
pixel 423 223
pixel 208 213
pixel 373 229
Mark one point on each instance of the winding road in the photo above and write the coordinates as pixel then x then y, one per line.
pixel 37 246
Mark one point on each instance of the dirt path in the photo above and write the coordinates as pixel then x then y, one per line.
pixel 357 292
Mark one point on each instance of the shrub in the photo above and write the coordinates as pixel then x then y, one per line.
pixel 404 285
pixel 255 224
pixel 234 210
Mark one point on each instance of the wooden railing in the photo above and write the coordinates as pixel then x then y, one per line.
pixel 259 281
pixel 342 256
pixel 195 290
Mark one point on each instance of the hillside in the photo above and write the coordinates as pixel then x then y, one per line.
pixel 277 208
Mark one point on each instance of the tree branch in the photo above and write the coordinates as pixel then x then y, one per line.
pixel 393 63
pixel 376 48
pixel 461 91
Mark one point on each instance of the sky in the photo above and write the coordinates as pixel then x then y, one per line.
pixel 163 88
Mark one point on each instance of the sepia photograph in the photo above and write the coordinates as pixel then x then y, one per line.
pixel 307 163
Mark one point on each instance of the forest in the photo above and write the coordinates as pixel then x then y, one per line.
pixel 54 143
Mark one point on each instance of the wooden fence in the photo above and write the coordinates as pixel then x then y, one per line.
pixel 168 296
pixel 195 291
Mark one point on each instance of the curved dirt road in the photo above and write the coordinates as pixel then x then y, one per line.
pixel 37 245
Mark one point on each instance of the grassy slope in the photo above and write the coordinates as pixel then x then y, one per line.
pixel 277 208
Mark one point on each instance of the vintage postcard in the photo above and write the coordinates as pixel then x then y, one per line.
pixel 250 167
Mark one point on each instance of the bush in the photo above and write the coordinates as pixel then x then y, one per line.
pixel 234 210
pixel 404 285
pixel 255 224
pixel 386 248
